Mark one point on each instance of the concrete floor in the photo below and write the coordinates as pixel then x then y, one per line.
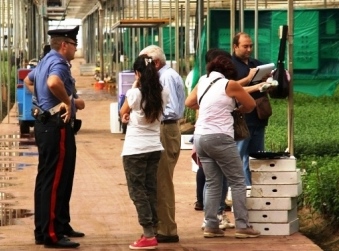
pixel 100 204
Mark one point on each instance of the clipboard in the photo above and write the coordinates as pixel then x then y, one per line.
pixel 263 70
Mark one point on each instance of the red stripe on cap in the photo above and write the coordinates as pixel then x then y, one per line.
pixel 56 183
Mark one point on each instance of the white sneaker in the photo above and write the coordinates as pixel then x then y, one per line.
pixel 225 222
pixel 229 201
pixel 203 224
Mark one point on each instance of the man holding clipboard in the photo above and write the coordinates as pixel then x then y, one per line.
pixel 242 50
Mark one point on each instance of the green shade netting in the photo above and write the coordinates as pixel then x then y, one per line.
pixel 315 45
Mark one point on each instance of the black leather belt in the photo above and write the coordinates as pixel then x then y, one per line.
pixel 169 121
pixel 44 118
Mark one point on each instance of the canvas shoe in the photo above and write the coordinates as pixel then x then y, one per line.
pixel 213 232
pixel 224 222
pixel 144 243
pixel 246 233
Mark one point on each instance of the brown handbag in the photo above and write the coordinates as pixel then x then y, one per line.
pixel 240 127
pixel 264 109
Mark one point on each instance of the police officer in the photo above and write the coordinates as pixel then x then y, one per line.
pixel 54 110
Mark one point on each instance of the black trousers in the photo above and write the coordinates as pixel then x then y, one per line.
pixel 54 180
pixel 200 181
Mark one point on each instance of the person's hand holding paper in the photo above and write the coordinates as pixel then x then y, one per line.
pixel 263 72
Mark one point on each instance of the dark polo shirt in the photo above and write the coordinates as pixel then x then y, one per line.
pixel 243 70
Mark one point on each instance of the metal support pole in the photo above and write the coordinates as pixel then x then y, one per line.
pixel 101 41
pixel 187 35
pixel 232 22
pixel 208 28
pixel 256 27
pixel 290 14
pixel 241 15
pixel 161 34
pixel 9 55
pixel 1 55
pixel 170 35
pixel 177 36
pixel 200 25
pixel 181 36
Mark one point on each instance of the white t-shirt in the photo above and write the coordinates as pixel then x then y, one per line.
pixel 215 107
pixel 189 82
pixel 141 136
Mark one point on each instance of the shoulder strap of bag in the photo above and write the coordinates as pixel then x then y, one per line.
pixel 282 47
pixel 208 87
pixel 236 104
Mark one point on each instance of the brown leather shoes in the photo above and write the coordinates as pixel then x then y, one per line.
pixel 249 232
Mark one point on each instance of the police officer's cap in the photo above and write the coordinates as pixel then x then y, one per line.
pixel 70 33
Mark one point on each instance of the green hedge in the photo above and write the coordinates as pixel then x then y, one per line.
pixel 316 124
pixel 4 78
pixel 316 139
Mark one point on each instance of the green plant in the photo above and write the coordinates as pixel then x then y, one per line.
pixel 321 185
pixel 5 78
pixel 3 55
pixel 315 125
pixel 316 139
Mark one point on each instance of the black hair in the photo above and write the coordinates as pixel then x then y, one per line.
pixel 224 65
pixel 46 49
pixel 214 52
pixel 151 89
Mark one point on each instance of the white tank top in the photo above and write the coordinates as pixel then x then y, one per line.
pixel 215 107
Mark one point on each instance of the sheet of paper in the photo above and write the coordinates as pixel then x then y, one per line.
pixel 263 70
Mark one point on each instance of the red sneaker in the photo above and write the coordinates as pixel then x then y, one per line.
pixel 144 243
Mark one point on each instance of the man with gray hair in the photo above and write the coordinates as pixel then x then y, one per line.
pixel 170 137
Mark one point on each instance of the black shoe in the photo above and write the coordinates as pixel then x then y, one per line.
pixel 39 242
pixel 228 208
pixel 198 206
pixel 167 238
pixel 62 243
pixel 74 234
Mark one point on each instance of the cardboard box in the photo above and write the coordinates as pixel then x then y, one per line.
pixel 277 228
pixel 185 142
pixel 260 216
pixel 275 191
pixel 271 203
pixel 269 165
pixel 276 178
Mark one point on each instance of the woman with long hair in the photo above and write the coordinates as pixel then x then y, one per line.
pixel 143 110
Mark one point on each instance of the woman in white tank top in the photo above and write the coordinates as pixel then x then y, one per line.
pixel 215 145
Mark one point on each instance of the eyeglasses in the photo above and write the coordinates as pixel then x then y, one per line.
pixel 69 42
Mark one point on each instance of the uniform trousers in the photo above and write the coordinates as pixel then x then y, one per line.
pixel 170 137
pixel 54 180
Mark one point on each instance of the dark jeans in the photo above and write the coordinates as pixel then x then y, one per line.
pixel 253 144
pixel 200 180
pixel 141 176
